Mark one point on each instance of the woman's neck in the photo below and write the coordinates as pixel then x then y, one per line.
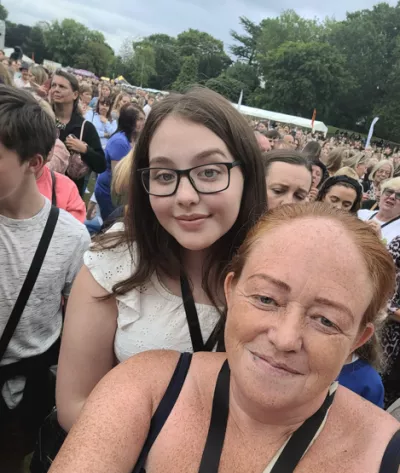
pixel 193 262
pixel 275 424
pixel 64 111
pixel 386 215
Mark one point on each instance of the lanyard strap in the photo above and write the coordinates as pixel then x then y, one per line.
pixel 386 223
pixel 292 452
pixel 193 320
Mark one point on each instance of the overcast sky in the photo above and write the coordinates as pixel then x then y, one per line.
pixel 119 19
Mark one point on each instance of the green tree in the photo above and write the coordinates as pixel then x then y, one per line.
pixel 96 57
pixel 209 51
pixel 227 86
pixel 303 76
pixel 246 51
pixel 3 12
pixel 167 60
pixel 16 35
pixel 289 26
pixel 188 75
pixel 35 45
pixel 244 73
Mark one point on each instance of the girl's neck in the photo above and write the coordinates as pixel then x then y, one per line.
pixel 193 263
pixel 63 111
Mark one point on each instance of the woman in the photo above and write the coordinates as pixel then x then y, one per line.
pixel 288 177
pixel 121 99
pixel 179 234
pixel 382 170
pixel 270 403
pixel 64 94
pixel 101 119
pixel 130 124
pixel 391 335
pixel 313 150
pixel 341 192
pixel 5 77
pixel 334 160
pixel 85 96
pixel 388 215
pixel 357 162
pixel 37 78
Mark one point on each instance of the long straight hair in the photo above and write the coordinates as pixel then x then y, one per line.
pixel 156 250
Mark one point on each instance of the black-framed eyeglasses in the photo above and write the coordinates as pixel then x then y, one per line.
pixel 206 179
pixel 390 192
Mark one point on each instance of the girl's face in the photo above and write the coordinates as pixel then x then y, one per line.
pixel 140 123
pixel 124 100
pixel 195 220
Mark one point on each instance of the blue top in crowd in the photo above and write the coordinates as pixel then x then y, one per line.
pixel 102 128
pixel 118 147
pixel 361 378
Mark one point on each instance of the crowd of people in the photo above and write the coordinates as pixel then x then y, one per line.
pixel 227 300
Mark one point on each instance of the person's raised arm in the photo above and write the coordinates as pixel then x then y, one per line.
pixel 114 423
pixel 87 347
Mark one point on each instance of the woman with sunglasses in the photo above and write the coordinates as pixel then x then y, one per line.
pixel 156 281
pixel 388 215
pixel 101 119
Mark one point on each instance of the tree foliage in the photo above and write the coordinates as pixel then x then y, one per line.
pixel 3 12
pixel 188 75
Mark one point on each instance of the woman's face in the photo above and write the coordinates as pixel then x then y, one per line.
pixel 287 184
pixel 86 97
pixel 361 169
pixel 316 176
pixel 125 99
pixel 341 197
pixel 106 92
pixel 104 108
pixel 196 221
pixel 382 174
pixel 288 333
pixel 61 91
pixel 140 122
pixel 389 203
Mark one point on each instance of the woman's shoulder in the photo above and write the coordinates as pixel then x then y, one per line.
pixel 364 214
pixel 365 418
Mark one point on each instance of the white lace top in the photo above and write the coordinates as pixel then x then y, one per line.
pixel 150 317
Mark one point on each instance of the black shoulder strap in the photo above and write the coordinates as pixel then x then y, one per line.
pixel 165 407
pixel 193 320
pixel 218 422
pixel 53 188
pixel 390 221
pixel 30 280
pixel 373 215
pixel 391 458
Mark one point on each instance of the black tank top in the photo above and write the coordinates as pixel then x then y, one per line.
pixel 390 462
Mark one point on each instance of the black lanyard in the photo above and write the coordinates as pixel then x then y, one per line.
pixel 386 223
pixel 193 320
pixel 292 453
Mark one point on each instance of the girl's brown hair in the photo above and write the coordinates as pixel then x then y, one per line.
pixel 156 249
pixel 377 259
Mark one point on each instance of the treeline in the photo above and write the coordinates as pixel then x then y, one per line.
pixel 347 70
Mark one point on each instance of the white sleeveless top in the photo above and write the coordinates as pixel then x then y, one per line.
pixel 149 317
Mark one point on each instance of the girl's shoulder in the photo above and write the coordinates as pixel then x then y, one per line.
pixel 112 260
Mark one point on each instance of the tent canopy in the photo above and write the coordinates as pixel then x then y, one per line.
pixel 282 118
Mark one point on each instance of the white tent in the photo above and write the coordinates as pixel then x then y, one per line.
pixel 282 118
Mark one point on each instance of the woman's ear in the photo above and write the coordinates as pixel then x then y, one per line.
pixel 364 335
pixel 228 287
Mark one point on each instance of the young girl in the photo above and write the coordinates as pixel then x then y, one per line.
pixel 197 186
pixel 101 119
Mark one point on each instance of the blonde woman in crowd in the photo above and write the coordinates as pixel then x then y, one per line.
pixel 358 162
pixel 382 170
pixel 85 96
pixel 347 171
pixel 5 78
pixel 122 99
pixel 334 160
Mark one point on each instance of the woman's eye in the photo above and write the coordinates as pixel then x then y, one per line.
pixel 277 191
pixel 300 196
pixel 165 177
pixel 265 300
pixel 326 322
pixel 209 173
